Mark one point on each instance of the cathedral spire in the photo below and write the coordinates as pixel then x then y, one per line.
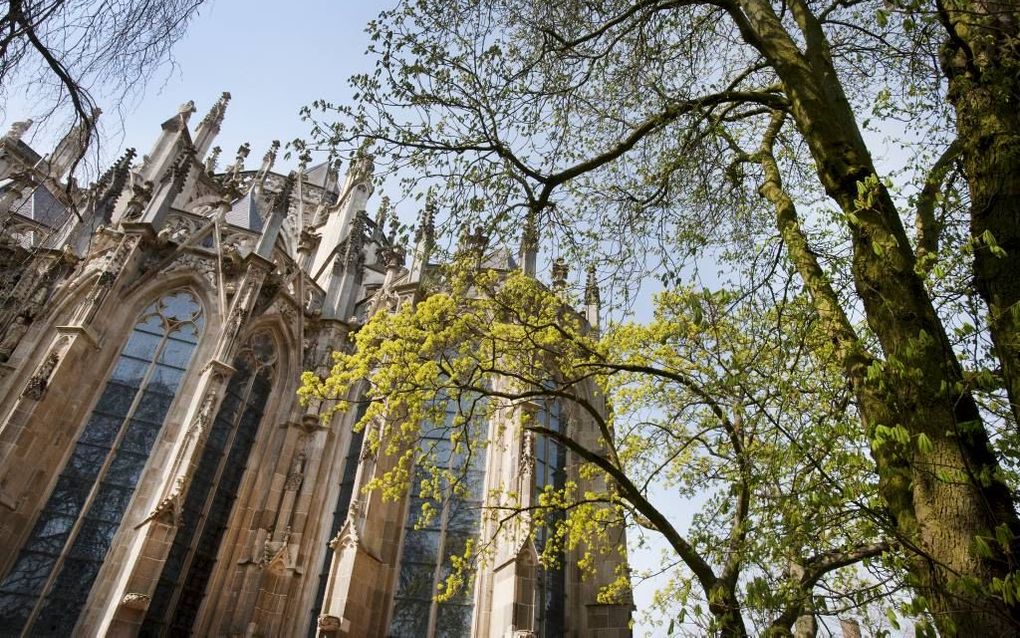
pixel 424 239
pixel 210 125
pixel 592 299
pixel 529 244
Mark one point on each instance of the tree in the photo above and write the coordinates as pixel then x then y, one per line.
pixel 673 122
pixel 981 62
pixel 702 402
pixel 65 51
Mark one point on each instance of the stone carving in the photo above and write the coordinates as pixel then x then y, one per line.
pixel 317 353
pixel 237 244
pixel 346 538
pixel 329 623
pixel 242 307
pixel 89 307
pixel 180 225
pixel 133 600
pixel 354 510
pixel 363 167
pixel 314 300
pixel 204 416
pixel 559 274
pixel 286 307
pixel 190 262
pixel 308 241
pixel 40 380
pixel 185 110
pixel 168 510
pixel 12 338
pixel 527 467
pixel 141 193
pixel 111 266
pixel 591 288
pixel 214 156
pixel 18 129
pixel 234 170
pixel 271 549
pixel 296 474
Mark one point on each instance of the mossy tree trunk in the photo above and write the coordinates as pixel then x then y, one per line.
pixel 981 59
pixel 955 493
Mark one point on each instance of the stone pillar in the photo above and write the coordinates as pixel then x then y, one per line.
pixel 150 547
pixel 366 549
pixel 24 441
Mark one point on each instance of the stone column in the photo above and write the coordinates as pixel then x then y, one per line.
pixel 150 547
pixel 366 549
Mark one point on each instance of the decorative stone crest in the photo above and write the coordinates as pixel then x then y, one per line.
pixel 141 193
pixel 168 510
pixel 133 600
pixel 39 381
pixel 329 623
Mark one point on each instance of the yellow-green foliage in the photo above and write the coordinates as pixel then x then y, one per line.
pixel 727 402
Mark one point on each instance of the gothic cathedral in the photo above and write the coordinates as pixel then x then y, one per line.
pixel 158 475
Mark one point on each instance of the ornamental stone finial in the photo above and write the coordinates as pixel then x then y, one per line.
pixel 215 115
pixel 214 157
pixel 591 288
pixel 559 274
pixel 18 129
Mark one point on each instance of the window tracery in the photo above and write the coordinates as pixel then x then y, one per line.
pixel 46 589
pixel 209 502
pixel 425 560
pixel 550 470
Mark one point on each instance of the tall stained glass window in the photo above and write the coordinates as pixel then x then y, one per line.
pixel 550 470
pixel 207 507
pixel 425 557
pixel 46 588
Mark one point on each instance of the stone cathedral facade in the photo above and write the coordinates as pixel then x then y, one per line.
pixel 158 475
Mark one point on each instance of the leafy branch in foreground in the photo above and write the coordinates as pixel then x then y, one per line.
pixel 734 404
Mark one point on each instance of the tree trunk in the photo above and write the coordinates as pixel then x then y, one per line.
pixel 956 494
pixel 725 610
pixel 982 63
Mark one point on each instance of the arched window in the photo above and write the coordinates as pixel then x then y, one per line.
pixel 209 502
pixel 45 590
pixel 425 559
pixel 550 470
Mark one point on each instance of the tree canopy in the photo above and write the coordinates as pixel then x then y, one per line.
pixel 652 137
pixel 71 56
